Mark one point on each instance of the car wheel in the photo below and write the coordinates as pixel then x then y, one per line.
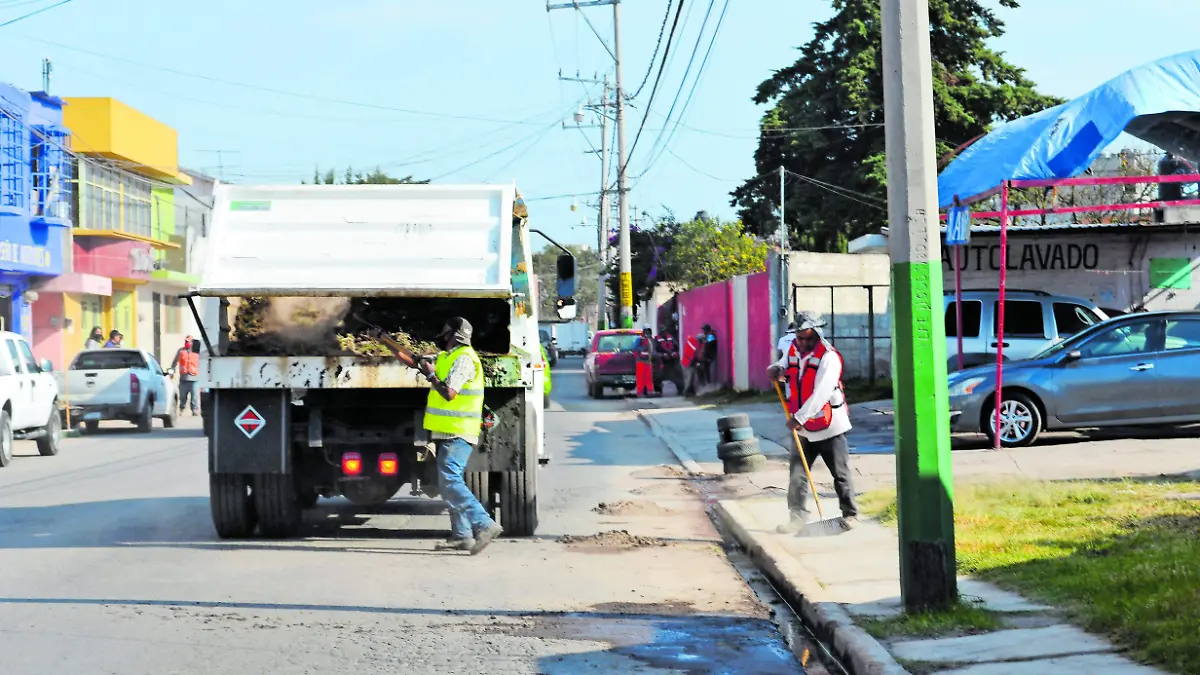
pixel 48 445
pixel 145 419
pixel 169 418
pixel 1020 420
pixel 6 439
pixel 91 426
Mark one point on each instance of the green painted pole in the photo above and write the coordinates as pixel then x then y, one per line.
pixel 924 490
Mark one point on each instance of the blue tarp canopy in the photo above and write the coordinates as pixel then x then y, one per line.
pixel 1158 102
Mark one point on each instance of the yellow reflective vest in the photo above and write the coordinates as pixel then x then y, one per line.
pixel 463 415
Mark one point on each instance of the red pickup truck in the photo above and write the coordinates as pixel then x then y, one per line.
pixel 610 363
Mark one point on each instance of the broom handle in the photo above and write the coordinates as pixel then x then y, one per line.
pixel 800 451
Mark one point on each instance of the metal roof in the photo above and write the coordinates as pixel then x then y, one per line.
pixel 1061 227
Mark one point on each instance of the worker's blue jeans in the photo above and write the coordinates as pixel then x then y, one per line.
pixel 467 515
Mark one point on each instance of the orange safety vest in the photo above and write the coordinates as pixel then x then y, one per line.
pixel 690 346
pixel 802 370
pixel 189 363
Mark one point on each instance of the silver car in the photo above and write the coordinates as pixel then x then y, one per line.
pixel 1135 369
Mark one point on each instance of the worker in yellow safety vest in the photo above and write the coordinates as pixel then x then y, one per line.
pixel 453 418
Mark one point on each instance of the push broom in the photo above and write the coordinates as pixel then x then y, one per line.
pixel 822 527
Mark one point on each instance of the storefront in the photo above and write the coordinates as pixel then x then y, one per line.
pixel 128 264
pixel 30 251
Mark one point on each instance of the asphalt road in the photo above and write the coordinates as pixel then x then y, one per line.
pixel 109 564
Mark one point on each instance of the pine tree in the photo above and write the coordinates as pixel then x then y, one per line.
pixel 838 82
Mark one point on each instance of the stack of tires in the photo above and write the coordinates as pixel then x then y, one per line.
pixel 738 448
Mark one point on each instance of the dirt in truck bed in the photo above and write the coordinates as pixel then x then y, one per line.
pixel 341 326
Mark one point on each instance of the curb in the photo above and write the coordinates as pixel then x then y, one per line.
pixel 860 653
pixel 685 460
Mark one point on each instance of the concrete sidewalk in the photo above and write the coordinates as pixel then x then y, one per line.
pixel 836 581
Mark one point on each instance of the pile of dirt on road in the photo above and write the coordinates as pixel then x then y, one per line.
pixel 613 539
pixel 628 508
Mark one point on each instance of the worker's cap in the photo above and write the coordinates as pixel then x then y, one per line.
pixel 808 321
pixel 707 328
pixel 458 328
pixel 645 326
pixel 187 338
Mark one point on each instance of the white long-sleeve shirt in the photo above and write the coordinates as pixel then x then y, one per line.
pixel 829 373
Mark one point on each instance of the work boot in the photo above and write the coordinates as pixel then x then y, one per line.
pixel 455 544
pixel 796 522
pixel 485 537
pixel 851 522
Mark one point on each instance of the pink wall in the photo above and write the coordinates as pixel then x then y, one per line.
pixel 711 304
pixel 760 319
pixel 47 338
pixel 113 258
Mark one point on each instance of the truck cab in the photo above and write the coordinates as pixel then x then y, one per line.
pixel 300 412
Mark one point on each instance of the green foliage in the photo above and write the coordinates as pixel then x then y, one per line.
pixel 707 250
pixel 648 249
pixel 838 82
pixel 546 269
pixel 351 177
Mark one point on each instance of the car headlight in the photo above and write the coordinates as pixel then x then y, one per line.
pixel 966 387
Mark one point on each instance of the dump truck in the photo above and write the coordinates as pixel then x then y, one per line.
pixel 302 404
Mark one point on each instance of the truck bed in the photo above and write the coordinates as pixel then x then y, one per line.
pixel 343 372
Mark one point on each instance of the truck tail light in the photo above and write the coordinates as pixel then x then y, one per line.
pixel 352 464
pixel 389 464
pixel 135 385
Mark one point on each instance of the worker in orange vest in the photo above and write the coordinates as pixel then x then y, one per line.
pixel 187 366
pixel 818 411
pixel 643 354
pixel 691 345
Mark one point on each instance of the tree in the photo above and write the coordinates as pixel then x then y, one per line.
pixel 826 120
pixel 706 250
pixel 648 250
pixel 350 177
pixel 586 273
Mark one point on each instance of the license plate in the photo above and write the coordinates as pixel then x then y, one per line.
pixel 91 417
pixel 628 380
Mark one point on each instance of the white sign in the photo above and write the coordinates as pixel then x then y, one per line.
pixel 142 260
pixel 958 226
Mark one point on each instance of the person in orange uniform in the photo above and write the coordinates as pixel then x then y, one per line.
pixel 643 354
pixel 817 404
pixel 187 365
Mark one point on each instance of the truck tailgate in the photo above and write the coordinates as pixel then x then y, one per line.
pixel 97 387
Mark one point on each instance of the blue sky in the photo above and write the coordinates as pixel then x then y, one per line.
pixel 479 65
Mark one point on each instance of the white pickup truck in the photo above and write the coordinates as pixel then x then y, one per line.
pixel 119 384
pixel 28 400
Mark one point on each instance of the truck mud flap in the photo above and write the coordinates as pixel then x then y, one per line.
pixel 249 431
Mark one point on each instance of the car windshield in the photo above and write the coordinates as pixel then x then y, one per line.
pixel 616 343
pixel 108 360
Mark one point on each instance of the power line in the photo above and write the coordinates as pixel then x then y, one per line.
pixel 272 90
pixel 657 45
pixel 686 72
pixel 491 155
pixel 654 89
pixel 33 13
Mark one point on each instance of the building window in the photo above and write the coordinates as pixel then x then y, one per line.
pixel 12 161
pixel 52 168
pixel 172 315
pixel 119 199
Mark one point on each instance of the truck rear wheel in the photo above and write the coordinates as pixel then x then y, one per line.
pixel 480 485
pixel 518 501
pixel 277 502
pixel 232 505
pixel 145 418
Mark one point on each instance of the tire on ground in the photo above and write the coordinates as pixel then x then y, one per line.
pixel 989 418
pixel 48 445
pixel 737 434
pixel 91 426
pixel 518 502
pixel 6 439
pixel 738 449
pixel 232 505
pixel 145 420
pixel 733 421
pixel 745 464
pixel 277 502
pixel 169 418
pixel 480 485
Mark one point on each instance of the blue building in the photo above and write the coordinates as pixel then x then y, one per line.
pixel 35 200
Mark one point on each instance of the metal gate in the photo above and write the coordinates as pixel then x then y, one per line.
pixel 857 322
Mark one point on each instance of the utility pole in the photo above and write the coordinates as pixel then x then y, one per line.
pixel 47 71
pixel 924 490
pixel 783 248
pixel 626 277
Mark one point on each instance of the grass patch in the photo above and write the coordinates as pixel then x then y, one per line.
pixel 964 618
pixel 861 391
pixel 1122 558
pixel 722 397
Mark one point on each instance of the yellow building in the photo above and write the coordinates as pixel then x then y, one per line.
pixel 128 162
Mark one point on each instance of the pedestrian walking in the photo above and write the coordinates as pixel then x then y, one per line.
pixel 114 339
pixel 186 365
pixel 454 417
pixel 643 354
pixel 95 339
pixel 817 403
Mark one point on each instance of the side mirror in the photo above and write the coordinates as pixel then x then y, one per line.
pixel 47 367
pixel 566 276
pixel 1072 356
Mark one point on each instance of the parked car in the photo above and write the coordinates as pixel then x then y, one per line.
pixel 549 345
pixel 610 363
pixel 120 384
pixel 1033 320
pixel 30 392
pixel 1131 370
